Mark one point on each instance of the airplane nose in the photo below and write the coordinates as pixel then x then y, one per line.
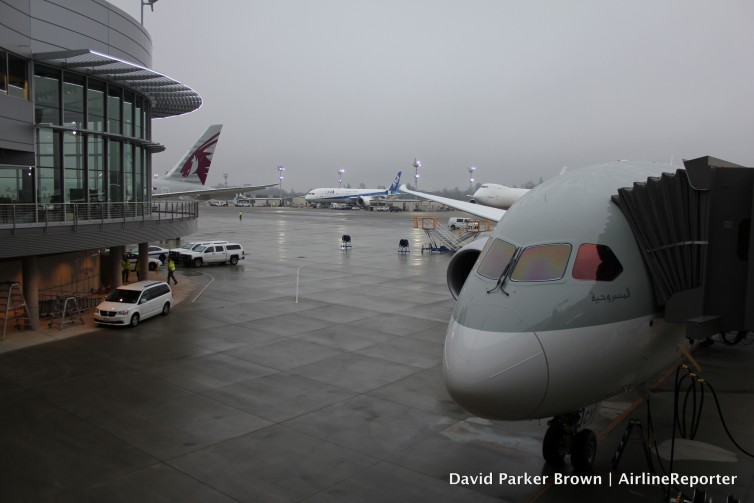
pixel 495 375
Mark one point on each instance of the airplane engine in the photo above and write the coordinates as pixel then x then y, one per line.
pixel 364 201
pixel 461 263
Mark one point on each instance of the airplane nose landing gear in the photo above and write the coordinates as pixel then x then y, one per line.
pixel 563 437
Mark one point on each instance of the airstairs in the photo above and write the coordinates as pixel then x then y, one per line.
pixel 15 308
pixel 442 239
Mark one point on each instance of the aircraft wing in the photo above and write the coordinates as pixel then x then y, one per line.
pixel 211 193
pixel 486 212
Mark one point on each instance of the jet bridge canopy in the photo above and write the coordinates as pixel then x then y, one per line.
pixel 694 228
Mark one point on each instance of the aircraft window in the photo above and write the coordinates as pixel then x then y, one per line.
pixel 596 263
pixel 542 263
pixel 495 257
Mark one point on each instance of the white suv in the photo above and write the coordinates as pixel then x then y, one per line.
pixel 129 304
pixel 175 253
pixel 227 253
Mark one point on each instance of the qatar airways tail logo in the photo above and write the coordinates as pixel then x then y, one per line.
pixel 199 161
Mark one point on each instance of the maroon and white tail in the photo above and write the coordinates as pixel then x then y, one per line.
pixel 194 166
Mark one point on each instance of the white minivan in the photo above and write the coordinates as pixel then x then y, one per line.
pixel 129 304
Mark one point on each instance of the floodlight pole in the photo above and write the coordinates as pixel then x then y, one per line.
pixel 143 3
pixel 280 170
pixel 417 165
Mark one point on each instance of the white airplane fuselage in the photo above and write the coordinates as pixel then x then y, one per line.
pixel 497 196
pixel 338 195
pixel 360 197
pixel 558 335
pixel 162 185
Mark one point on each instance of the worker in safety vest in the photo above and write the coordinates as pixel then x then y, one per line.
pixel 124 267
pixel 171 271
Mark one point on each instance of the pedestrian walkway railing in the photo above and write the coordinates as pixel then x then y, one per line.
pixel 34 215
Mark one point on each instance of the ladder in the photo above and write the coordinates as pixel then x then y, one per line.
pixel 442 239
pixel 70 307
pixel 15 306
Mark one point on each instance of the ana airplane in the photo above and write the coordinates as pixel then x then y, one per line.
pixel 555 309
pixel 497 196
pixel 361 197
pixel 187 178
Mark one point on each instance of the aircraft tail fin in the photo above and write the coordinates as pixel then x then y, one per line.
pixel 394 187
pixel 194 166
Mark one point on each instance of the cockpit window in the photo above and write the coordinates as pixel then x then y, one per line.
pixel 495 257
pixel 542 263
pixel 596 263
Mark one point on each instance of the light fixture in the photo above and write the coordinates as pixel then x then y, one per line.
pixel 417 165
pixel 151 6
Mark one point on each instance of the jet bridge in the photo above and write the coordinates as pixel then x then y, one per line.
pixel 694 228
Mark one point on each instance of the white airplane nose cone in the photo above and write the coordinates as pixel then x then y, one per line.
pixel 496 375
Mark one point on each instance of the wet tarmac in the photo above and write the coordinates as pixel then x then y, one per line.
pixel 312 373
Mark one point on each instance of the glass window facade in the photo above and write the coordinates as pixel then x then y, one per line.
pixel 140 185
pixel 138 118
pixel 114 172
pixel 18 82
pixel 49 180
pixel 3 72
pixel 73 164
pixel 128 114
pixel 95 99
pixel 46 96
pixel 73 101
pixel 96 169
pixel 128 172
pixel 16 185
pixel 13 76
pixel 114 102
pixel 96 155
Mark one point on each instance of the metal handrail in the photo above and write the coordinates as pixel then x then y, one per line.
pixel 16 215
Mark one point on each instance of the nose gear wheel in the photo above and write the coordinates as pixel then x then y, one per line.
pixel 563 437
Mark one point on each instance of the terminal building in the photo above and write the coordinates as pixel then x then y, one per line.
pixel 77 98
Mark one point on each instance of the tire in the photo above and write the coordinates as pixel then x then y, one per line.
pixel 134 320
pixel 166 309
pixel 584 451
pixel 553 445
pixel 233 260
pixel 197 262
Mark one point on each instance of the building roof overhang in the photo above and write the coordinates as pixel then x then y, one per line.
pixel 167 96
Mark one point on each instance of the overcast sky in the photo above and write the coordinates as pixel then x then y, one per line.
pixel 518 89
